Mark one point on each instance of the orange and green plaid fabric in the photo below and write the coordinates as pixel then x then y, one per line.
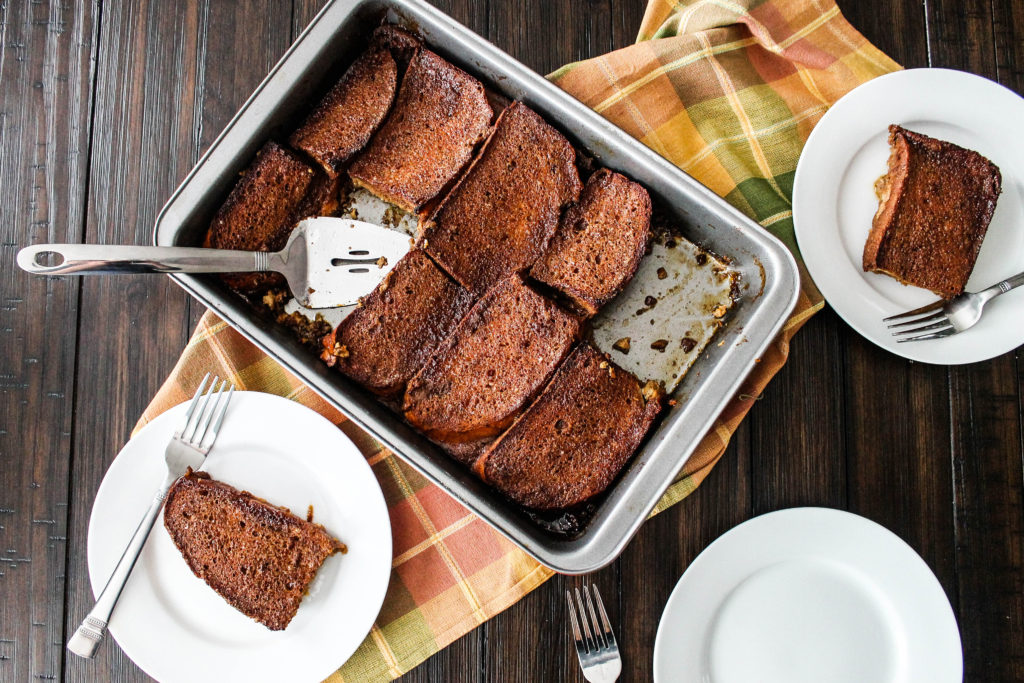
pixel 728 90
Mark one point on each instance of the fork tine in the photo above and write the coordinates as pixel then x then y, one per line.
pixel 216 415
pixel 599 640
pixel 943 324
pixel 201 418
pixel 606 624
pixel 940 315
pixel 223 409
pixel 577 637
pixel 591 643
pixel 937 335
pixel 917 311
pixel 192 405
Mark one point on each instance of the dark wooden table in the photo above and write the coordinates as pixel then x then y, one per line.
pixel 105 108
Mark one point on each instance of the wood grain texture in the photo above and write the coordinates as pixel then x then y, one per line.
pixel 45 102
pixel 934 454
pixel 985 399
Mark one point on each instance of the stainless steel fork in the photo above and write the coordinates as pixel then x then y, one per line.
pixel 188 448
pixel 945 318
pixel 595 642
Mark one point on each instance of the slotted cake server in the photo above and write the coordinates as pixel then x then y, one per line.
pixel 328 262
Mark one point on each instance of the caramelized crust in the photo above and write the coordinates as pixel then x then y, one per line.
pixel 935 205
pixel 599 242
pixel 277 191
pixel 402 44
pixel 389 337
pixel 259 557
pixel 439 116
pixel 343 122
pixel 576 437
pixel 500 216
pixel 499 358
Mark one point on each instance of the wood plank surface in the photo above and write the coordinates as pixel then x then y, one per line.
pixel 984 403
pixel 45 114
pixel 104 109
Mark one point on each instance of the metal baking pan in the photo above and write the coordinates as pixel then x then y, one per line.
pixel 768 271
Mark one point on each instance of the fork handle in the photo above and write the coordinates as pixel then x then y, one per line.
pixel 88 259
pixel 90 634
pixel 1004 287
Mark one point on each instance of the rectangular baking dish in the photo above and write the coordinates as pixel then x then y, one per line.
pixel 769 274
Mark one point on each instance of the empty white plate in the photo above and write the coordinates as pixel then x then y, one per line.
pixel 171 623
pixel 834 201
pixel 808 595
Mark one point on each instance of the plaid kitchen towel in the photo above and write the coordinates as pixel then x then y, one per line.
pixel 728 90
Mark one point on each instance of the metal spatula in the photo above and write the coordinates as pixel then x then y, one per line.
pixel 328 262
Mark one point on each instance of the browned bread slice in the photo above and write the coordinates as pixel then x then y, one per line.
pixel 935 204
pixel 277 191
pixel 497 359
pixel 599 241
pixel 439 116
pixel 389 337
pixel 259 557
pixel 466 452
pixel 348 115
pixel 499 217
pixel 402 44
pixel 572 442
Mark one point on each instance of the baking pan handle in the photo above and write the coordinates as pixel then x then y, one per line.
pixel 87 259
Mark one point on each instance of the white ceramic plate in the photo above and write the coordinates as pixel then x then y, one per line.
pixel 171 623
pixel 808 595
pixel 834 201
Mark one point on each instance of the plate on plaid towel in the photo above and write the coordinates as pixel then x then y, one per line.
pixel 834 201
pixel 808 595
pixel 171 623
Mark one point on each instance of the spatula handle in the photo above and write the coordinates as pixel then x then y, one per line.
pixel 88 259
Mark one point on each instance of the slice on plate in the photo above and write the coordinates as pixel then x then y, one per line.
pixel 599 242
pixel 259 557
pixel 500 216
pixel 385 341
pixel 497 359
pixel 935 204
pixel 575 438
pixel 277 191
pixel 439 116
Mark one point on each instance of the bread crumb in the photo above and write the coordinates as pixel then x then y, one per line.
pixel 662 273
pixel 622 345
pixel 274 299
pixel 660 345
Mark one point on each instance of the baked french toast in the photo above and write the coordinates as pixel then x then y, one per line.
pixel 935 205
pixel 576 437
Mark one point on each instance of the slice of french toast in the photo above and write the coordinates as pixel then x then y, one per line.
pixel 500 216
pixel 935 205
pixel 259 557
pixel 599 242
pixel 389 337
pixel 439 116
pixel 497 359
pixel 576 437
